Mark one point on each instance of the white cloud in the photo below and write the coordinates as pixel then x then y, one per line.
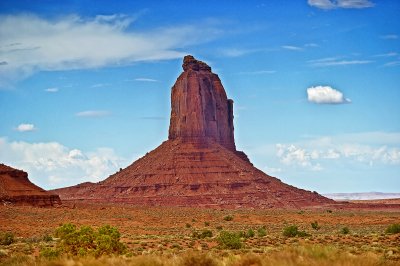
pixel 390 37
pixel 146 80
pixel 93 113
pixel 333 61
pixel 311 45
pixel 51 164
pixel 25 127
pixel 390 54
pixel 325 95
pixel 292 48
pixel 51 89
pixel 293 155
pixel 29 43
pixel 392 64
pixel 258 72
pixel 100 85
pixel 333 4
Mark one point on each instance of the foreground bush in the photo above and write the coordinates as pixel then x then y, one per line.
pixel 393 229
pixel 230 240
pixel 6 238
pixel 86 241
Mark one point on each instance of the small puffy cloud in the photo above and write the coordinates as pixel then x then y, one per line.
pixel 333 4
pixel 51 164
pixel 51 90
pixel 325 95
pixel 93 113
pixel 25 127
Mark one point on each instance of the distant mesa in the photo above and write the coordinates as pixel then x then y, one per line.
pixel 15 188
pixel 198 166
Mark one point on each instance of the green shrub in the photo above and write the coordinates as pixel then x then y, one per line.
pixel 202 234
pixel 219 227
pixel 230 240
pixel 249 234
pixel 47 238
pixel 393 229
pixel 188 225
pixel 315 225
pixel 228 218
pixel 6 238
pixel 206 223
pixel 293 230
pixel 50 253
pixel 86 241
pixel 261 232
pixel 345 230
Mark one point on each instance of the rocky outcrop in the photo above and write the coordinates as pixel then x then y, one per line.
pixel 15 188
pixel 198 165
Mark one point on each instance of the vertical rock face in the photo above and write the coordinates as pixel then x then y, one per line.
pixel 200 108
pixel 16 188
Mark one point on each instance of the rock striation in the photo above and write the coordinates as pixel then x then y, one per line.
pixel 15 188
pixel 198 165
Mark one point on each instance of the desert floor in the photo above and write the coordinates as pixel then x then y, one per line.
pixel 169 232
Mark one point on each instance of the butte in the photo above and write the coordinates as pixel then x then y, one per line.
pixel 16 189
pixel 198 165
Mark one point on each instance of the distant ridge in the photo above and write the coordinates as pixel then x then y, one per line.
pixel 362 196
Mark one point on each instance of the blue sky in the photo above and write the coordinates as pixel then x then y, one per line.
pixel 85 85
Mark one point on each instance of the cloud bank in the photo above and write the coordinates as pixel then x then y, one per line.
pixel 333 4
pixel 325 95
pixel 51 164
pixel 347 149
pixel 29 43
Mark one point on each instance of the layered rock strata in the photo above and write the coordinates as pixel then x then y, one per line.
pixel 15 188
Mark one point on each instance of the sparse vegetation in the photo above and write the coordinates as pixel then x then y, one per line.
pixel 292 231
pixel 315 225
pixel 393 229
pixel 261 232
pixel 149 242
pixel 228 218
pixel 345 230
pixel 202 234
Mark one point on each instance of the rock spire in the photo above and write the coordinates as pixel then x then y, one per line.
pixel 200 108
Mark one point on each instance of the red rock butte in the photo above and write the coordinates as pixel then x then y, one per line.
pixel 15 188
pixel 198 165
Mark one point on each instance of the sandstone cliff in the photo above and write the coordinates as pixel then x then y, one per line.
pixel 16 188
